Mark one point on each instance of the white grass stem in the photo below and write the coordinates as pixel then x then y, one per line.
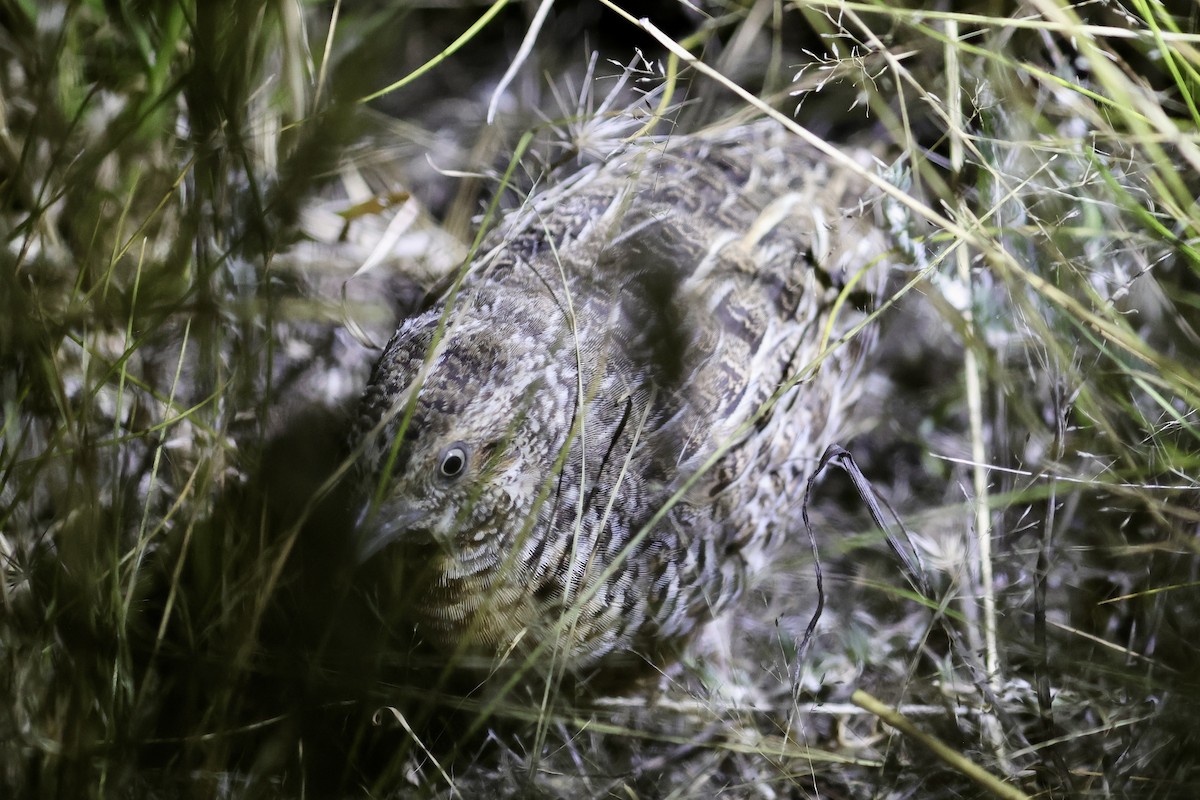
pixel 535 27
pixel 323 70
pixel 971 370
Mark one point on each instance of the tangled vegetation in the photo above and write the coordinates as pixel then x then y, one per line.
pixel 215 211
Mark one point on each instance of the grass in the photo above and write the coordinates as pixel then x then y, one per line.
pixel 187 191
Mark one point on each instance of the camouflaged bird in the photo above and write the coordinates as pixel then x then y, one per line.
pixel 587 447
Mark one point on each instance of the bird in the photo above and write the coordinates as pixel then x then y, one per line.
pixel 583 449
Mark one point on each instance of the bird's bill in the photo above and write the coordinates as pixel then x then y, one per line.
pixel 377 527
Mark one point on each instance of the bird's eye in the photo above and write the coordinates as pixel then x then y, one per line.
pixel 454 460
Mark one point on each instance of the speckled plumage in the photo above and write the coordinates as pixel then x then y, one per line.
pixel 592 464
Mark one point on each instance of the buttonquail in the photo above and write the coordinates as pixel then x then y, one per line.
pixel 588 446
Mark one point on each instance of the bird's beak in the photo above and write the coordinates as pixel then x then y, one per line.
pixel 375 528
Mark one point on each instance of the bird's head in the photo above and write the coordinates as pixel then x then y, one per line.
pixel 455 433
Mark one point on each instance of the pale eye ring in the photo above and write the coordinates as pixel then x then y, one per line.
pixel 453 461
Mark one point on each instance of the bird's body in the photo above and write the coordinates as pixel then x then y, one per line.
pixel 586 447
